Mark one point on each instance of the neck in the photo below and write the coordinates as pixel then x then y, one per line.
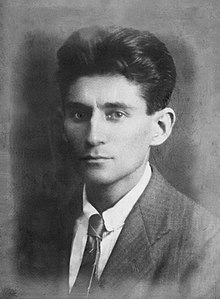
pixel 105 196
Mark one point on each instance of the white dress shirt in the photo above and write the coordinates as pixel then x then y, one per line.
pixel 114 219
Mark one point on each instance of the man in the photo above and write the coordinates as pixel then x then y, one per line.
pixel 116 84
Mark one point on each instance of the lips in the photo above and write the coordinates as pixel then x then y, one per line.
pixel 94 158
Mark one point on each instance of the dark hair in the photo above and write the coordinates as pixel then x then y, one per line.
pixel 138 55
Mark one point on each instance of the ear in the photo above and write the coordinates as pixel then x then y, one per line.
pixel 163 125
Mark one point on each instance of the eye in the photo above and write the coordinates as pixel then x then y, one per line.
pixel 115 115
pixel 79 116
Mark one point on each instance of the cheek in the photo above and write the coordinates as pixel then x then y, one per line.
pixel 72 134
pixel 135 138
pixel 70 129
pixel 67 127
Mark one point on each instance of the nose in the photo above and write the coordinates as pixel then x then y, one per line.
pixel 96 131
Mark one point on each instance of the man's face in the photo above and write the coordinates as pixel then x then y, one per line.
pixel 108 129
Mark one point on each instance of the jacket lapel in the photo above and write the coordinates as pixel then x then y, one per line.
pixel 131 249
pixel 133 254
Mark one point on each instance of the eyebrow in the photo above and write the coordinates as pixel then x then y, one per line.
pixel 116 105
pixel 71 104
pixel 107 105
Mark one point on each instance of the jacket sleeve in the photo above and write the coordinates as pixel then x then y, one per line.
pixel 203 281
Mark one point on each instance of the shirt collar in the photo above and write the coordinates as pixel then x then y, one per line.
pixel 115 217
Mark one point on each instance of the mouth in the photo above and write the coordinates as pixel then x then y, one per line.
pixel 93 159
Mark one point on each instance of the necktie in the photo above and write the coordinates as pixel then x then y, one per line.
pixel 87 276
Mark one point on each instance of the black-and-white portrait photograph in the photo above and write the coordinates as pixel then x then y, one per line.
pixel 109 149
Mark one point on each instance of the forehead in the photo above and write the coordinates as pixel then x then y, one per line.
pixel 102 89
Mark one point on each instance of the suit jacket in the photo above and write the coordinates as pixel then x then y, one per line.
pixel 169 247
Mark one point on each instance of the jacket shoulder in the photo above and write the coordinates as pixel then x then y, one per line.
pixel 184 239
pixel 180 206
pixel 166 210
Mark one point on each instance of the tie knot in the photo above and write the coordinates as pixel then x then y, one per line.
pixel 96 226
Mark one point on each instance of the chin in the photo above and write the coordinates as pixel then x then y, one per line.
pixel 97 179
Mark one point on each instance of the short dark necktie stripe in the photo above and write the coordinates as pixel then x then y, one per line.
pixel 87 276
